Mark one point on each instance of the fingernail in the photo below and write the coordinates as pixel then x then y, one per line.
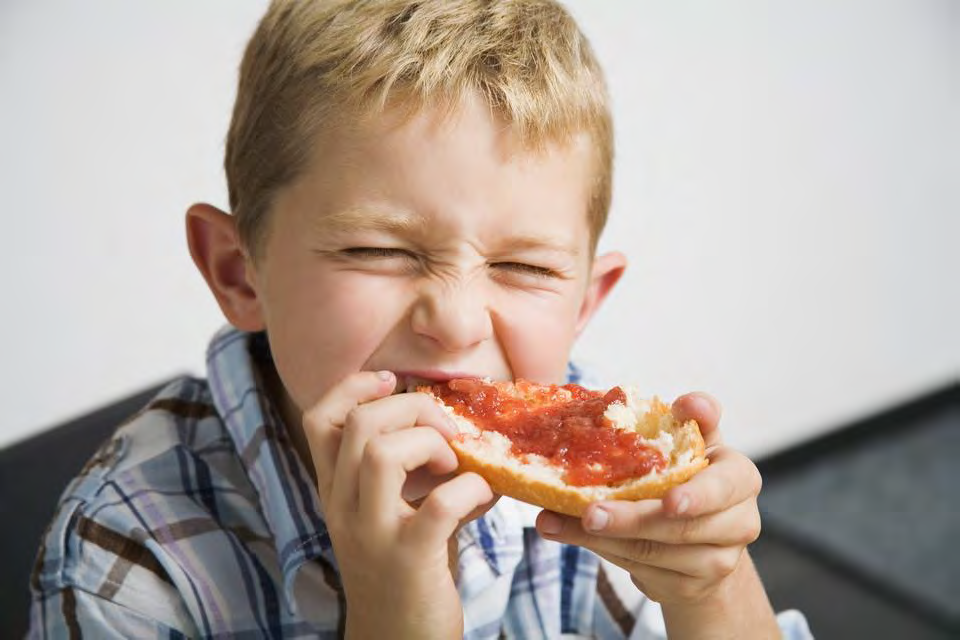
pixel 550 524
pixel 597 519
pixel 385 375
pixel 683 504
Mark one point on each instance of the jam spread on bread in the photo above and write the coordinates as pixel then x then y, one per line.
pixel 564 424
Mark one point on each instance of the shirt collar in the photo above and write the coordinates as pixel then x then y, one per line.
pixel 288 497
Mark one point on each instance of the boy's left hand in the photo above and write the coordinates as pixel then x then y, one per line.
pixel 680 549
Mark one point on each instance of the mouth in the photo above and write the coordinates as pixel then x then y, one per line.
pixel 409 381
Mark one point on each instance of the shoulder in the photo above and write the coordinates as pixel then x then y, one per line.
pixel 167 477
pixel 179 428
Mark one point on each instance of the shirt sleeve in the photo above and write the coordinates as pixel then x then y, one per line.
pixel 73 613
pixel 650 625
pixel 624 612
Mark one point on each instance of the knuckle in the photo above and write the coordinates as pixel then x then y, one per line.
pixel 723 564
pixel 357 424
pixel 756 482
pixel 425 402
pixel 689 530
pixel 433 437
pixel 644 549
pixel 752 531
pixel 354 419
pixel 441 505
pixel 378 455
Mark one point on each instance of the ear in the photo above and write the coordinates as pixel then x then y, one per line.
pixel 606 272
pixel 216 250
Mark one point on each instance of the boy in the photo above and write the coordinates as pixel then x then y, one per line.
pixel 417 192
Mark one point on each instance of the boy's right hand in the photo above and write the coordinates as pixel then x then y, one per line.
pixel 393 557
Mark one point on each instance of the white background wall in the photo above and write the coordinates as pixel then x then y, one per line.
pixel 787 192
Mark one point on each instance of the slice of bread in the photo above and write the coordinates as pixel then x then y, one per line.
pixel 535 479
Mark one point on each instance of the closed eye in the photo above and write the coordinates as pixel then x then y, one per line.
pixel 527 269
pixel 380 260
pixel 377 252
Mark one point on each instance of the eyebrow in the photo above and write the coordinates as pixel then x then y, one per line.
pixel 372 219
pixel 403 223
pixel 539 243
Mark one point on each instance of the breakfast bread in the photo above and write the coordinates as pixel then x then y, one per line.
pixel 565 462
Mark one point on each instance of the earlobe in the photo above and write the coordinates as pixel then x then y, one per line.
pixel 216 250
pixel 607 271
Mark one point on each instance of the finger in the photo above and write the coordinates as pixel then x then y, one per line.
pixel 730 479
pixel 323 421
pixel 367 421
pixel 704 561
pixel 420 482
pixel 447 507
pixel 387 459
pixel 480 510
pixel 705 410
pixel 655 583
pixel 738 525
pixel 662 585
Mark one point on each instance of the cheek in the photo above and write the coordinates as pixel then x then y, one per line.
pixel 326 329
pixel 537 338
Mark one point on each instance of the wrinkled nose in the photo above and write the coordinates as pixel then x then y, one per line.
pixel 455 317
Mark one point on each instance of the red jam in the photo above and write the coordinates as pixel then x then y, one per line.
pixel 564 424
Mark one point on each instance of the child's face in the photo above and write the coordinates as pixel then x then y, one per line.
pixel 431 250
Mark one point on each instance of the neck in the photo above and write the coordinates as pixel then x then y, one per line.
pixel 290 414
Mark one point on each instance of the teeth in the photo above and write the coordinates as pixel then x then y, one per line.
pixel 410 384
pixel 413 383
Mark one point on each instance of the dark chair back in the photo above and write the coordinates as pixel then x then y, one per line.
pixel 33 475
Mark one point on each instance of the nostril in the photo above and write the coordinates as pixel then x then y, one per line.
pixel 454 316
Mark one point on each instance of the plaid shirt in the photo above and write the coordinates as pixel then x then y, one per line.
pixel 198 519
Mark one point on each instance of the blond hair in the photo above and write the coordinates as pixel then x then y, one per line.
pixel 316 63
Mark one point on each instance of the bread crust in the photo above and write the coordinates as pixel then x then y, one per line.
pixel 511 479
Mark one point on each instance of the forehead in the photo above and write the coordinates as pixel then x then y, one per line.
pixel 443 169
